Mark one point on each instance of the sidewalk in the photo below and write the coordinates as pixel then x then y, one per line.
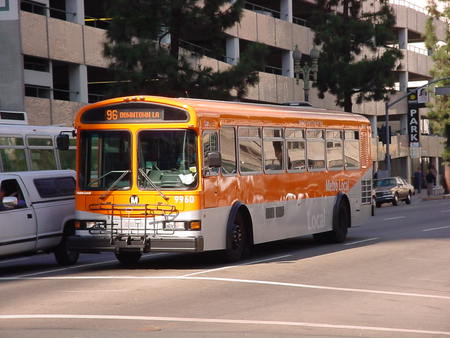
pixel 436 196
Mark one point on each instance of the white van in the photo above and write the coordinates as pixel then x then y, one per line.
pixel 36 213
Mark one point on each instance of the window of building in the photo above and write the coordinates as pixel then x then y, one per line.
pixel 37 91
pixel 35 63
pixel 33 7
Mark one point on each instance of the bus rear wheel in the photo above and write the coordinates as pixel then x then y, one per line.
pixel 341 223
pixel 128 258
pixel 237 240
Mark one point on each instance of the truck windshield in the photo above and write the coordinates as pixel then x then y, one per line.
pixel 105 161
pixel 167 159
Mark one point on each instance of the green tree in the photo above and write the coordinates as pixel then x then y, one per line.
pixel 144 40
pixel 439 106
pixel 357 58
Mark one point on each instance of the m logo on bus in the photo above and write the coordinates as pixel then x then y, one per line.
pixel 134 199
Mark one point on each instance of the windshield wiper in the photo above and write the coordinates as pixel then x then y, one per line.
pixel 142 172
pixel 109 172
pixel 124 172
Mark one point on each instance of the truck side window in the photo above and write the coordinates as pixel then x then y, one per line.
pixel 11 188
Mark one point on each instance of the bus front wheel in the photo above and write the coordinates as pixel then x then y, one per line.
pixel 128 258
pixel 237 240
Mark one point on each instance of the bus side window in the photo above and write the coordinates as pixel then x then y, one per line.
pixel 42 153
pixel 296 149
pixel 228 150
pixel 12 154
pixel 315 149
pixel 210 142
pixel 250 150
pixel 351 149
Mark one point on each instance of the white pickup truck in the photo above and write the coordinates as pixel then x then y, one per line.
pixel 36 213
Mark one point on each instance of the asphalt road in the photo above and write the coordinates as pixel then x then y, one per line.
pixel 391 278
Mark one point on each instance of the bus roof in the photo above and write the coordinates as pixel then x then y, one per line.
pixel 238 110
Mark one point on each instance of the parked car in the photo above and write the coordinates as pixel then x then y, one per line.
pixel 36 213
pixel 392 190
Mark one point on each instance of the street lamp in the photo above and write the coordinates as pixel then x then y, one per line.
pixel 308 70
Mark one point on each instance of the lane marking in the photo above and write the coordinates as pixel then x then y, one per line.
pixel 236 265
pixel 362 241
pixel 440 228
pixel 81 266
pixel 393 218
pixel 234 280
pixel 226 321
pixel 445 211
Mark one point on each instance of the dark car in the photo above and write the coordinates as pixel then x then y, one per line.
pixel 392 190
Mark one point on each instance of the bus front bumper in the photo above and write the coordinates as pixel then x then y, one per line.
pixel 95 244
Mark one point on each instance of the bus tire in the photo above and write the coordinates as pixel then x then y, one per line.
pixel 63 255
pixel 237 240
pixel 128 258
pixel 341 223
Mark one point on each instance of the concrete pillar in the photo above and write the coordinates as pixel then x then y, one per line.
pixel 404 124
pixel 403 81
pixel 286 10
pixel 287 64
pixel 232 47
pixel 75 11
pixel 11 59
pixel 78 83
pixel 373 124
pixel 403 38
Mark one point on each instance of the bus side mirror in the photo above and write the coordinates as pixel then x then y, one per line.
pixel 214 159
pixel 62 142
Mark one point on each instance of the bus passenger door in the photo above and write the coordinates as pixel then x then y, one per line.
pixel 210 142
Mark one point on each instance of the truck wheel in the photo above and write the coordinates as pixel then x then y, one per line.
pixel 64 256
pixel 237 240
pixel 128 258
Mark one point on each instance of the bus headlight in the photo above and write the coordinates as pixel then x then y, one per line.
pixel 87 225
pixel 181 225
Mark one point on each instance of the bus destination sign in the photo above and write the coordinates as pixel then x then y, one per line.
pixel 133 115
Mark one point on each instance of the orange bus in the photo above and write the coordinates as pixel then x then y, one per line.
pixel 191 175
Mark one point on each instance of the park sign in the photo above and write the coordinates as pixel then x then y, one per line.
pixel 414 116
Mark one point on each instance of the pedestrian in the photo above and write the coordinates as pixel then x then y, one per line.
pixel 429 178
pixel 418 177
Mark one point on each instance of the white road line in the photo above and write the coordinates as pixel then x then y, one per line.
pixel 233 266
pixel 393 218
pixel 362 241
pixel 445 211
pixel 81 266
pixel 440 228
pixel 226 321
pixel 234 280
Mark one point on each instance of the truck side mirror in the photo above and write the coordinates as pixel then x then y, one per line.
pixel 10 202
pixel 214 159
pixel 62 142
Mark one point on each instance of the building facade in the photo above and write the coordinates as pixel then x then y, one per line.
pixel 51 63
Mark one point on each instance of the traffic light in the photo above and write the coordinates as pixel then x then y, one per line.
pixel 382 134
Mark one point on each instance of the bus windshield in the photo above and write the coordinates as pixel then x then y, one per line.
pixel 106 160
pixel 167 159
